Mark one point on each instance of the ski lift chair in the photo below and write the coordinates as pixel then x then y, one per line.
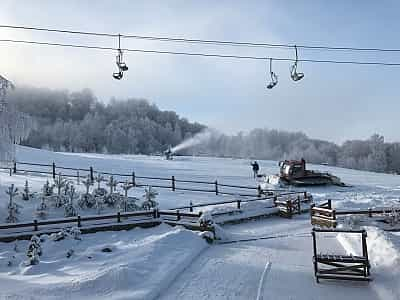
pixel 296 76
pixel 118 75
pixel 274 77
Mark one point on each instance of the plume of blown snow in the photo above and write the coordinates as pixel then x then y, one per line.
pixel 199 138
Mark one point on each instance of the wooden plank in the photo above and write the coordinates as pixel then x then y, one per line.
pixel 343 277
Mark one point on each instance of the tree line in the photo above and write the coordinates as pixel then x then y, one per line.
pixel 373 154
pixel 78 122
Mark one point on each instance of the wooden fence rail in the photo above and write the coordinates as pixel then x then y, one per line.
pixel 175 184
pixel 119 220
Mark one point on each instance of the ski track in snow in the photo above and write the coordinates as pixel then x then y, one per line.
pixel 234 271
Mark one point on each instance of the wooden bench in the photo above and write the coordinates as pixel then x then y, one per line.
pixel 341 267
pixel 323 215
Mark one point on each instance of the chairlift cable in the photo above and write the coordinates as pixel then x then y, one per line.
pixel 204 41
pixel 202 54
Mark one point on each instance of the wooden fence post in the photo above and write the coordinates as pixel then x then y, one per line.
pixel 259 191
pixel 15 167
pixel 191 207
pixel 238 204
pixel 78 179
pixel 275 199
pixel 10 171
pixel 91 174
pixel 35 225
pixel 311 209
pixel 329 203
pixel 289 208
pixel 216 187
pixel 299 204
pixel 173 183
pixel 133 179
pixel 334 217
pixel 315 253
pixel 79 221
pixel 178 215
pixel 370 212
pixel 155 213
pixel 54 170
pixel 305 195
pixel 119 217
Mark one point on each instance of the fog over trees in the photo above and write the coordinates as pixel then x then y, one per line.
pixel 78 122
pixel 372 154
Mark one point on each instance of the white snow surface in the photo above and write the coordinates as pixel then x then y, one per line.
pixel 143 262
pixel 272 258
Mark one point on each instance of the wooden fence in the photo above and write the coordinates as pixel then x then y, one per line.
pixel 342 267
pixel 90 224
pixel 323 215
pixel 326 216
pixel 172 183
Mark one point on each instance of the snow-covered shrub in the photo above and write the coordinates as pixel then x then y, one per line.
pixel 87 200
pixel 392 217
pixel 69 208
pixel 112 184
pixel 99 191
pixel 41 210
pixel 112 198
pixel 149 198
pixel 12 207
pixel 48 189
pixel 98 203
pixel 206 219
pixel 34 251
pixel 128 204
pixel 60 183
pixel 73 233
pixel 26 193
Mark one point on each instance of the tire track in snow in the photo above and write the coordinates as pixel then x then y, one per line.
pixel 261 285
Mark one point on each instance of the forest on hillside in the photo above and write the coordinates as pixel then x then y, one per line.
pixel 78 122
pixel 372 154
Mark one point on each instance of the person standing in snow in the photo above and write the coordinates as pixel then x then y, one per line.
pixel 256 168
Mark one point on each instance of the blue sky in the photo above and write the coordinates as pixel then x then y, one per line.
pixel 333 102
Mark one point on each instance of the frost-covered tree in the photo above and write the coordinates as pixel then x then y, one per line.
pixel 99 191
pixel 149 198
pixel 34 251
pixel 14 126
pixel 26 193
pixel 41 210
pixel 48 189
pixel 128 203
pixel 69 208
pixel 112 198
pixel 87 200
pixel 60 183
pixel 12 207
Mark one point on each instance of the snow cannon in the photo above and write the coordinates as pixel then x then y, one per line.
pixel 168 153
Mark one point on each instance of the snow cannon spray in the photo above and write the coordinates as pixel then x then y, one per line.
pixel 199 138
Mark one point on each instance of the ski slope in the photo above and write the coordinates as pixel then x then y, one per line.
pixel 174 263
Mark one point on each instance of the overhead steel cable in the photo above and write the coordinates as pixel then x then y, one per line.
pixel 204 41
pixel 201 54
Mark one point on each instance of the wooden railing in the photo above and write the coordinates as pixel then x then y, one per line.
pixel 89 224
pixel 172 183
pixel 323 215
pixel 342 267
